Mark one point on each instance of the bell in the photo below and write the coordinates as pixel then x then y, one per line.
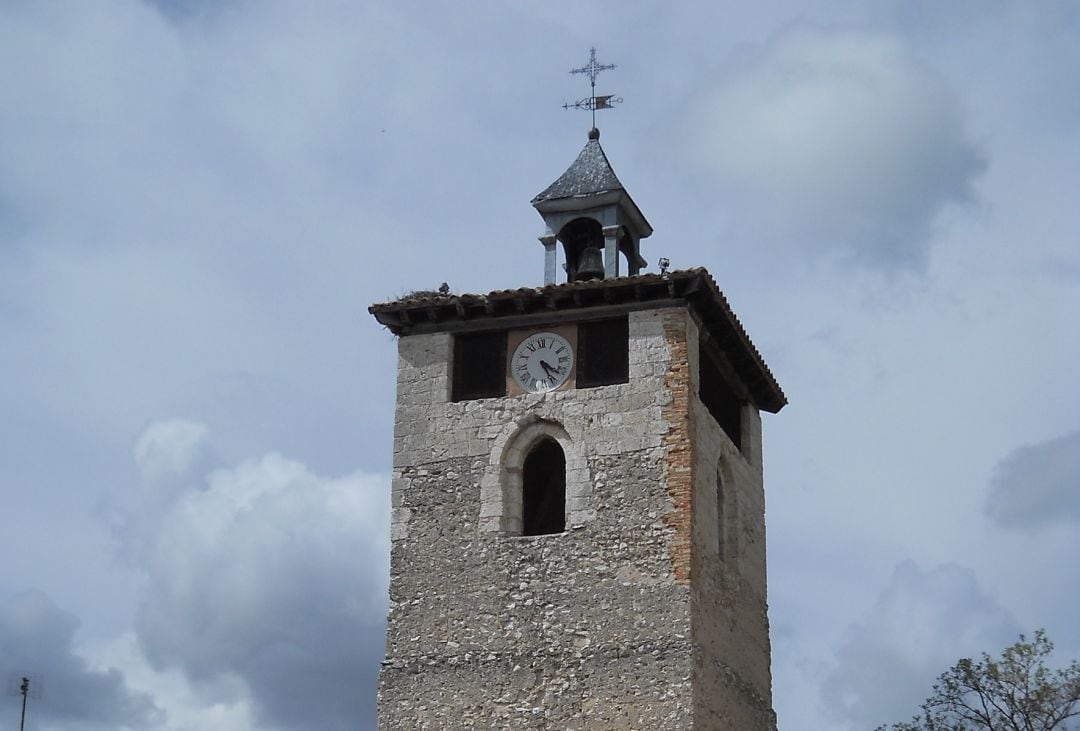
pixel 590 265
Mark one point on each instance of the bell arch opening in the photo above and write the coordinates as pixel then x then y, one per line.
pixel 585 240
pixel 577 236
pixel 543 489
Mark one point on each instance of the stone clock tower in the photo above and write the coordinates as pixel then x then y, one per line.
pixel 578 536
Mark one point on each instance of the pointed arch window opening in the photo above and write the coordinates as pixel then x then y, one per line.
pixel 721 513
pixel 503 489
pixel 727 518
pixel 543 489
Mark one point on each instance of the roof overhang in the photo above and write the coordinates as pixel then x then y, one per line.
pixel 694 288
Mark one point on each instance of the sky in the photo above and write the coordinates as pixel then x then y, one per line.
pixel 199 200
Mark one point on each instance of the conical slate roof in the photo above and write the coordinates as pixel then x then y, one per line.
pixel 591 174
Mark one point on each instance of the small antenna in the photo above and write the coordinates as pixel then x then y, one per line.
pixel 593 102
pixel 28 686
pixel 24 689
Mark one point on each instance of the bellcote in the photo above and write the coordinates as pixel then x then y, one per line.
pixel 590 212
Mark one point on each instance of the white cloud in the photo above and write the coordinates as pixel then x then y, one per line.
pixel 224 706
pixel 36 639
pixel 277 577
pixel 838 141
pixel 920 625
pixel 170 448
pixel 173 456
pixel 1037 484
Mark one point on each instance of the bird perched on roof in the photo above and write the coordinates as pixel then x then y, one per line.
pixel 444 288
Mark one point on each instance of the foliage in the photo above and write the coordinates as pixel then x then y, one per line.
pixel 1014 693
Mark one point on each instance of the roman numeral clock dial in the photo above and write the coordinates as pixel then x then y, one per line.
pixel 542 362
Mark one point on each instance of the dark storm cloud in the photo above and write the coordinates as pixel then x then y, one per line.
pixel 275 576
pixel 1037 484
pixel 837 141
pixel 36 638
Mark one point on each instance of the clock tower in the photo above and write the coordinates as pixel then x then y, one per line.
pixel 578 527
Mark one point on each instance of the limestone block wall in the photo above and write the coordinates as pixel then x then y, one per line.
pixel 589 629
pixel 732 675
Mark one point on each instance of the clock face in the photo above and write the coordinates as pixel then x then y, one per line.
pixel 542 362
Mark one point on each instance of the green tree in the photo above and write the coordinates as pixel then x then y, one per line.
pixel 1014 693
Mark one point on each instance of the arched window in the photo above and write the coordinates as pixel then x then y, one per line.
pixel 721 526
pixel 536 481
pixel 543 489
pixel 727 519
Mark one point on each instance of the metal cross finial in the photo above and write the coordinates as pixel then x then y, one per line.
pixel 593 102
pixel 593 68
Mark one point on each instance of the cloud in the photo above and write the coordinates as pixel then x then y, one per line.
pixel 276 577
pixel 151 214
pixel 1037 485
pixel 36 638
pixel 170 448
pixel 839 141
pixel 223 706
pixel 173 456
pixel 920 625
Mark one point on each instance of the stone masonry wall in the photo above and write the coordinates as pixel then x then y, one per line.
pixel 589 629
pixel 732 676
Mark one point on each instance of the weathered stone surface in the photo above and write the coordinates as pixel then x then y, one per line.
pixel 644 614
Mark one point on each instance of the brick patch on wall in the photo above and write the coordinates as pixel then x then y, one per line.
pixel 678 459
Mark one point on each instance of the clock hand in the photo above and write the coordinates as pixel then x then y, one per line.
pixel 547 369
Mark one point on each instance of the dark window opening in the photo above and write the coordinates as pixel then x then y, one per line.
pixel 603 352
pixel 479 366
pixel 543 488
pixel 719 398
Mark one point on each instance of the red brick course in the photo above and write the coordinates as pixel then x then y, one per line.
pixel 678 462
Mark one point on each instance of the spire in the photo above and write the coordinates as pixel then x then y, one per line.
pixel 590 174
pixel 587 207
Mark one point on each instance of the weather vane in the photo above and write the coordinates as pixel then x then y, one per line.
pixel 593 102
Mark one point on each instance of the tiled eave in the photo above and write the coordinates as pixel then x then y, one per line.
pixel 434 312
